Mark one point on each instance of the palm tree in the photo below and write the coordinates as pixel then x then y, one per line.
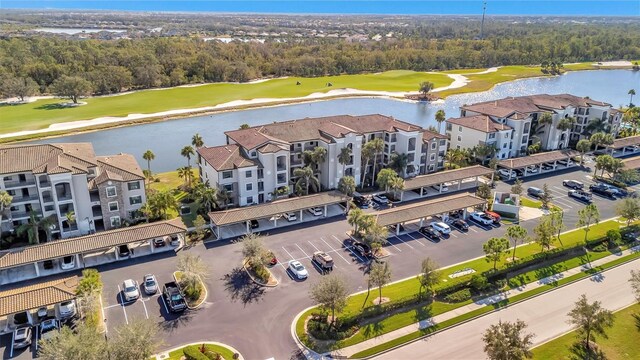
pixel 355 218
pixel 307 178
pixel 425 87
pixel 185 173
pixel 188 152
pixel 47 224
pixel 377 146
pixel 376 237
pixel 631 93
pixel 315 157
pixel 440 117
pixel 365 156
pixel 583 146
pixel 566 123
pixel 71 217
pixel 601 138
pixel 344 158
pixel 5 202
pixel 395 185
pixel 244 126
pixel 149 155
pixel 31 228
pixel 223 197
pixel 196 141
pixel 163 201
pixel 206 196
pixel 595 126
pixel 398 162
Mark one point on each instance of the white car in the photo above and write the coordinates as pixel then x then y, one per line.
pixel 68 262
pixel 298 270
pixel 150 284
pixel 441 227
pixel 381 199
pixel 531 169
pixel 290 216
pixel 482 218
pixel 316 211
pixel 504 173
pixel 67 309
pixel 437 188
pixel 130 290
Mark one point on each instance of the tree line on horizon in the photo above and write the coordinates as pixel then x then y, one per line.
pixel 32 65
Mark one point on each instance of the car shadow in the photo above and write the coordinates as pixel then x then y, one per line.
pixel 241 288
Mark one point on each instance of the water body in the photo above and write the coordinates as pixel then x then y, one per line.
pixel 166 138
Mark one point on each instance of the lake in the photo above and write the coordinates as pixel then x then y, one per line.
pixel 166 138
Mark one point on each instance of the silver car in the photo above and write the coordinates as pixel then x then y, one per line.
pixel 150 284
pixel 130 290
pixel 21 337
pixel 67 309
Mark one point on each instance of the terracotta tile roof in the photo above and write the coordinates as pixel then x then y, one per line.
pixel 121 167
pixel 278 207
pixel 631 163
pixel 479 122
pixel 272 148
pixel 446 176
pixel 225 157
pixel 47 158
pixel 425 209
pixel 627 141
pixel 311 129
pixel 83 244
pixel 530 104
pixel 430 135
pixel 37 295
pixel 537 159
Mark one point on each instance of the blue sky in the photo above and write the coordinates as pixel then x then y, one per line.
pixel 495 7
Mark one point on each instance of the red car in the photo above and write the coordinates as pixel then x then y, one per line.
pixel 495 216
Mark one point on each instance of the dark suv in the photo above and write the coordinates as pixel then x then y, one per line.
pixel 362 248
pixel 602 190
pixel 430 233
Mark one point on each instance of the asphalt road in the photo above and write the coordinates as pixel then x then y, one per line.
pixel 255 320
pixel 546 316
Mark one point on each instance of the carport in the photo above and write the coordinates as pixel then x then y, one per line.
pixel 90 250
pixel 33 297
pixel 552 157
pixel 274 211
pixel 633 163
pixel 438 179
pixel 625 146
pixel 420 211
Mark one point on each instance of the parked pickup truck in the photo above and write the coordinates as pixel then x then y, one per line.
pixel 580 195
pixel 173 297
pixel 323 260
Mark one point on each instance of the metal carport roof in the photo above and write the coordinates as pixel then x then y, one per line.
pixel 427 208
pixel 446 176
pixel 537 159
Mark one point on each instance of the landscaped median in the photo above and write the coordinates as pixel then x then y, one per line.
pixel 205 350
pixel 361 320
pixel 195 293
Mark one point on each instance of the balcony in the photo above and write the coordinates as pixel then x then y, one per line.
pixel 295 160
pixel 72 227
pixel 19 184
pixel 44 184
pixel 47 199
pixel 21 199
pixel 94 196
pixel 64 197
pixel 97 213
pixel 15 215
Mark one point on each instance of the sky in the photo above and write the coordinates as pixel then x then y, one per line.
pixel 418 7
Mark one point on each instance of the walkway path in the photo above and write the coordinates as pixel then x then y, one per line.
pixel 572 297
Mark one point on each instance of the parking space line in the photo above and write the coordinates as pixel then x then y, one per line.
pixel 472 229
pixel 402 241
pixel 305 254
pixel 146 313
pixel 104 317
pixel 122 304
pixel 392 244
pixel 166 310
pixel 452 234
pixel 12 342
pixel 338 253
pixel 288 253
pixel 416 239
pixel 348 248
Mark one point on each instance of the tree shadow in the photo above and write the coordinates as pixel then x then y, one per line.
pixel 372 329
pixel 240 287
pixel 55 106
pixel 173 322
pixel 550 275
pixel 636 316
pixel 579 351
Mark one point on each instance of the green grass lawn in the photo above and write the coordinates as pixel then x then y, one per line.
pixel 622 343
pixel 483 82
pixel 170 181
pixel 409 288
pixel 226 353
pixel 40 114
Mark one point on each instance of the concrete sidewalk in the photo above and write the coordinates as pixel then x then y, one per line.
pixel 350 350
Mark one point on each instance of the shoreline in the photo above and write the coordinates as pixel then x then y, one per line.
pixel 104 123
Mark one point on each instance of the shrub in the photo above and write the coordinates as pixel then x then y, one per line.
pixel 479 282
pixel 459 296
pixel 321 329
pixel 192 352
pixel 600 248
pixel 260 272
pixel 614 237
pixel 212 355
pixel 500 283
pixel 193 292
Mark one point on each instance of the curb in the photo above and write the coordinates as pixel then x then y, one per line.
pixel 165 354
pixel 206 293
pixel 492 311
pixel 258 282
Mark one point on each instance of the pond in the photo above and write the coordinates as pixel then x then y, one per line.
pixel 166 138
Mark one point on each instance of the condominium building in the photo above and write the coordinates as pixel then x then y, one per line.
pixel 80 191
pixel 259 162
pixel 512 124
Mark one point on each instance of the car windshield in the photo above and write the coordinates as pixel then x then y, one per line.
pixel 130 289
pixel 176 297
pixel 66 303
pixel 150 283
pixel 297 266
pixel 48 325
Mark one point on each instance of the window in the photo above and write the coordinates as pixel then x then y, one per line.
pixel 460 128
pixel 228 187
pixel 134 185
pixel 111 191
pixel 432 167
pixel 282 178
pixel 411 157
pixel 393 137
pixel 115 221
pixel 113 206
pixel 432 157
pixel 249 187
pixel 227 174
pixel 248 173
pixel 260 173
pixel 443 142
pixel 249 199
pixel 459 138
pixel 48 208
pixel 492 136
pixel 253 153
pixel 506 135
pixel 260 186
pixel 504 146
pixel 7 178
pixel 135 200
pixel 434 145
